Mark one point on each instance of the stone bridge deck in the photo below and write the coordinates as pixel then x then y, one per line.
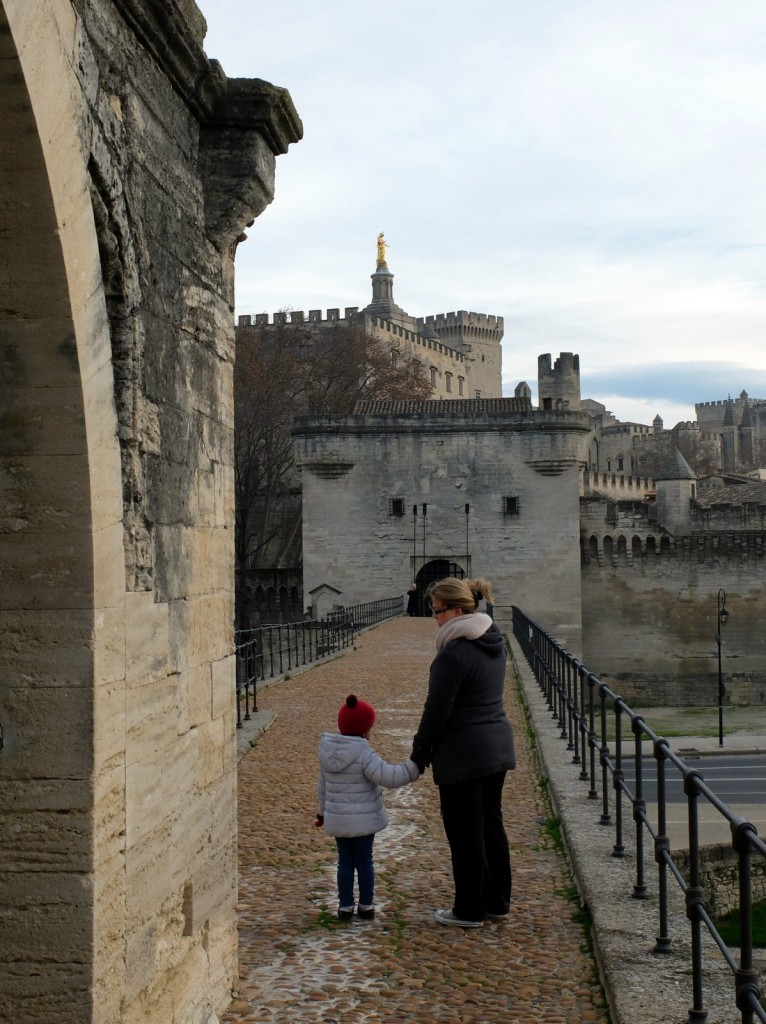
pixel 298 964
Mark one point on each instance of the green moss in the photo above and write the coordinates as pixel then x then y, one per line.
pixel 728 926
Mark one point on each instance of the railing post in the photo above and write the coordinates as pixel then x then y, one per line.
pixel 604 757
pixel 745 977
pixel 694 899
pixel 662 848
pixel 639 809
pixel 592 741
pixel 618 850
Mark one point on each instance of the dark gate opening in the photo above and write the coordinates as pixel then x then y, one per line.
pixel 439 569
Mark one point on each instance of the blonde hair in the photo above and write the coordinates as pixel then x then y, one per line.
pixel 465 594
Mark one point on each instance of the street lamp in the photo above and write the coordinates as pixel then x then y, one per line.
pixel 723 618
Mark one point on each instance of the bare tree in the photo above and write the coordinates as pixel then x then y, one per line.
pixel 283 371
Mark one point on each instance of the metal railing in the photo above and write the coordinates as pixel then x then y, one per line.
pixel 582 705
pixel 266 652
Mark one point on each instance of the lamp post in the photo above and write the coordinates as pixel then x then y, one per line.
pixel 414 540
pixel 723 618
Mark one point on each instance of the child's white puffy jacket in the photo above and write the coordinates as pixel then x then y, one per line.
pixel 350 777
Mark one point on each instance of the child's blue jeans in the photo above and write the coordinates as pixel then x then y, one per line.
pixel 355 855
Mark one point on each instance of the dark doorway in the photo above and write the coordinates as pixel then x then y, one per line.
pixel 439 569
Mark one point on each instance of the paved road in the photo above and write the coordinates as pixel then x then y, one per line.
pixel 299 965
pixel 736 779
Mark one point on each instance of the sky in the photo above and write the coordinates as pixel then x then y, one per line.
pixel 590 170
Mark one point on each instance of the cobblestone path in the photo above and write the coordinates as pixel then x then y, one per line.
pixel 298 964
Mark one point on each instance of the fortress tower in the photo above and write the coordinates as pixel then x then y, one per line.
pixel 558 384
pixel 459 351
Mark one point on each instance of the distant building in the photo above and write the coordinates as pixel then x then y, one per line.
pixel 459 351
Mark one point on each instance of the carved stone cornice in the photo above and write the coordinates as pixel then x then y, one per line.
pixel 328 470
pixel 550 467
pixel 250 104
pixel 173 32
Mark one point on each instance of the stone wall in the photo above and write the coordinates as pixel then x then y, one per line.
pixel 517 471
pixel 129 169
pixel 719 877
pixel 650 616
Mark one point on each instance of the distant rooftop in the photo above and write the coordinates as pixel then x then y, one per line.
pixel 439 406
pixel 753 493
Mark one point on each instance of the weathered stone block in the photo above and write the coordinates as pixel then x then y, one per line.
pixel 193 697
pixel 193 561
pixel 149 873
pixel 143 795
pixel 202 630
pixel 147 638
pixel 31 992
pixel 48 732
pixel 57 912
pixel 224 685
pixel 151 719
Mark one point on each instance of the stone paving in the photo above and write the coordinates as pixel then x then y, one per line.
pixel 299 964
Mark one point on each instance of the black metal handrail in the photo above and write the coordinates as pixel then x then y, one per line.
pixel 581 704
pixel 266 652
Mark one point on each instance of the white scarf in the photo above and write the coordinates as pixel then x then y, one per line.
pixel 471 626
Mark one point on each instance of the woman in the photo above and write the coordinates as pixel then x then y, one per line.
pixel 465 735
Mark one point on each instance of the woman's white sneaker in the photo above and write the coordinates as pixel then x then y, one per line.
pixel 447 917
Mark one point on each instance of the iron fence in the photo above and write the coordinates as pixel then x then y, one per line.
pixel 584 708
pixel 266 652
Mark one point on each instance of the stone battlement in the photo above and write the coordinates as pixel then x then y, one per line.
pixel 618 484
pixel 463 320
pixel 417 339
pixel 298 316
pixel 725 401
pixel 352 316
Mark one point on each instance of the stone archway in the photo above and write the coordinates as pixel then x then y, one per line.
pixel 437 569
pixel 129 169
pixel 61 553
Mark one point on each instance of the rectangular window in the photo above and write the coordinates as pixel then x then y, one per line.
pixel 433 376
pixel 448 382
pixel 477 394
pixel 511 505
pixel 460 382
pixel 396 506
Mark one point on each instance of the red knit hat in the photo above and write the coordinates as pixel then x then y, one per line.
pixel 356 717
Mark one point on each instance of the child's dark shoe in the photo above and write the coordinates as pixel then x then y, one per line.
pixel 366 913
pixel 345 913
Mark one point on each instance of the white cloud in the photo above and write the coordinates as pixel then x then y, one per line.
pixel 590 170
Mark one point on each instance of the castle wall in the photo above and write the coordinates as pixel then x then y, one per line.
pixel 462 358
pixel 477 336
pixel 132 169
pixel 558 381
pixel 650 614
pixel 354 468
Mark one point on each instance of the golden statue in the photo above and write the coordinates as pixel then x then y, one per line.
pixel 382 243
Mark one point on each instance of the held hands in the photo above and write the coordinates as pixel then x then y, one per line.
pixel 319 821
pixel 420 757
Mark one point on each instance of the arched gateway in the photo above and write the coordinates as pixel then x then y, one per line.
pixel 129 168
pixel 438 569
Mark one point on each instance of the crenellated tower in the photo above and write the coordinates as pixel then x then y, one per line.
pixel 558 384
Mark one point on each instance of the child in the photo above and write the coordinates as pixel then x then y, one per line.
pixel 351 803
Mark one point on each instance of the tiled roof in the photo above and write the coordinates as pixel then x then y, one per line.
pixel 440 406
pixel 733 494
